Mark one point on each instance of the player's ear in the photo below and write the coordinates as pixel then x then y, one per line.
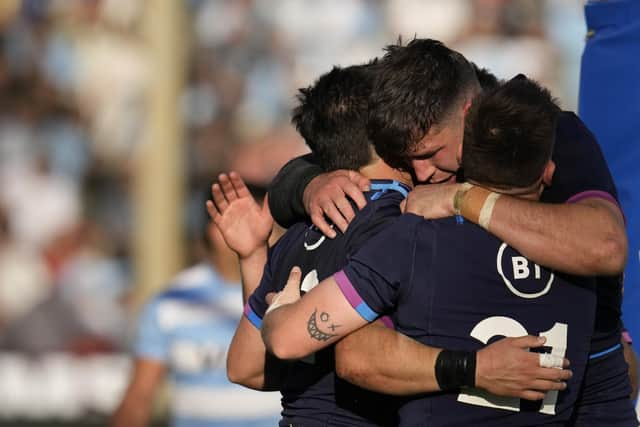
pixel 547 175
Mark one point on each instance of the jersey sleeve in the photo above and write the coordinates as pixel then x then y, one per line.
pixel 151 341
pixel 287 188
pixel 581 170
pixel 381 271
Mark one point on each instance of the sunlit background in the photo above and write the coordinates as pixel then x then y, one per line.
pixel 116 115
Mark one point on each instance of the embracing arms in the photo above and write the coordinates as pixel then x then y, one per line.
pixel 583 238
pixel 383 360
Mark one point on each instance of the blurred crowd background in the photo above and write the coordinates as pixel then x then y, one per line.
pixel 74 85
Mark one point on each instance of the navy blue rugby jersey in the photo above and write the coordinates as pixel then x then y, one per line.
pixel 311 393
pixel 458 287
pixel 581 172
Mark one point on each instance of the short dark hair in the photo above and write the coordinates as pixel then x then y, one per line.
pixel 509 134
pixel 486 78
pixel 332 117
pixel 415 87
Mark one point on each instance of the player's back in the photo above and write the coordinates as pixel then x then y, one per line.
pixel 467 289
pixel 312 394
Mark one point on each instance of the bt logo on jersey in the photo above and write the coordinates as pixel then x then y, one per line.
pixel 532 281
pixel 521 268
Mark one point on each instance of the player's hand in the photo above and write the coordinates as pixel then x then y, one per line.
pixel 244 225
pixel 508 368
pixel 432 201
pixel 327 195
pixel 288 295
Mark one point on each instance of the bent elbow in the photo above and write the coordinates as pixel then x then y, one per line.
pixel 611 255
pixel 283 349
pixel 235 374
pixel 236 371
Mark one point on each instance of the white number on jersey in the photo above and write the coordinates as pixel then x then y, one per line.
pixel 508 327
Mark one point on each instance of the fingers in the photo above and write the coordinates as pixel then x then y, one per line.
pixel 544 385
pixel 337 207
pixel 531 395
pixel 227 187
pixel 290 293
pixel 213 212
pixel 354 192
pixel 293 282
pixel 238 184
pixel 360 180
pixel 528 341
pixel 553 374
pixel 346 210
pixel 318 219
pixel 218 198
pixel 331 211
pixel 269 297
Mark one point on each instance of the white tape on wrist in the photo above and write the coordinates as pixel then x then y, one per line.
pixel 548 360
pixel 487 210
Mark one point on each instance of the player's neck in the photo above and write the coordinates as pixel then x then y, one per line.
pixel 380 170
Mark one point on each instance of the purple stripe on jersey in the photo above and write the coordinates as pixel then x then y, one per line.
pixel 354 298
pixel 386 321
pixel 592 193
pixel 597 194
pixel 347 289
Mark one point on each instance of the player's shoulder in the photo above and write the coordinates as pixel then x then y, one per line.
pixel 405 226
pixel 290 238
pixel 571 127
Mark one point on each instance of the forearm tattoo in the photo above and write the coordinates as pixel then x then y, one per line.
pixel 313 326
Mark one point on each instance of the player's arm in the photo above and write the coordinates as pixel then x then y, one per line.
pixel 294 328
pixel 583 238
pixel 301 189
pixel 135 408
pixel 248 363
pixel 380 359
pixel 244 225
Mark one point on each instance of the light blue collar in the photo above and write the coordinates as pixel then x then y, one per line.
pixel 382 187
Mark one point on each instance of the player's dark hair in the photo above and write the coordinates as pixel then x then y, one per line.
pixel 509 134
pixel 486 78
pixel 332 117
pixel 415 87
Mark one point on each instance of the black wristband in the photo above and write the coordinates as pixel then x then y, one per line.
pixel 287 188
pixel 455 369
